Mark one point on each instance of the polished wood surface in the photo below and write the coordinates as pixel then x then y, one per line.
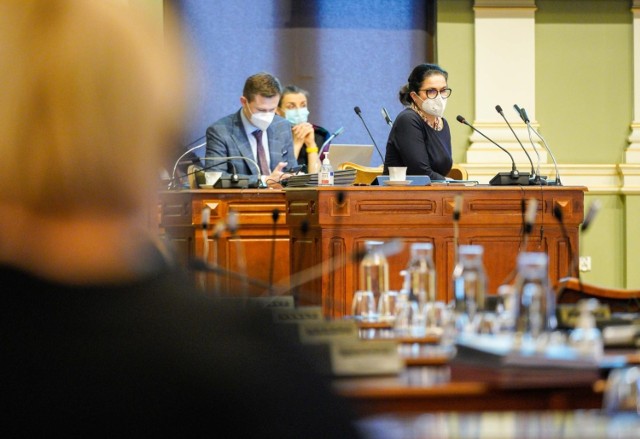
pixel 466 388
pixel 250 251
pixel 329 226
pixel 547 424
pixel 571 290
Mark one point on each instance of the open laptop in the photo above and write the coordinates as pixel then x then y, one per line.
pixel 358 154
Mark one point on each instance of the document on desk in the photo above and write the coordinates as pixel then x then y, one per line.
pixel 454 183
pixel 502 351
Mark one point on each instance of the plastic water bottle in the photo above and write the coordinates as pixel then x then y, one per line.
pixel 374 269
pixel 534 304
pixel 422 273
pixel 325 174
pixel 469 286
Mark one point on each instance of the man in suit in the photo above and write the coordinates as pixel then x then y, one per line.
pixel 254 132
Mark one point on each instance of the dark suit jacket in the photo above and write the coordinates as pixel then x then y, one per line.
pixel 227 138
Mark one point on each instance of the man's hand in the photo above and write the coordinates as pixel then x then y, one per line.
pixel 277 175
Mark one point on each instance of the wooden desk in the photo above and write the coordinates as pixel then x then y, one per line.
pixel 583 424
pixel 467 388
pixel 249 251
pixel 329 225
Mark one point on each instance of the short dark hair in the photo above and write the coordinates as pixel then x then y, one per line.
pixel 263 84
pixel 416 78
pixel 292 89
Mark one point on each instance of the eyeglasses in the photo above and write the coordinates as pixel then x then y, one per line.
pixel 432 92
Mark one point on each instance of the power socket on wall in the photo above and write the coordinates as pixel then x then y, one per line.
pixel 584 263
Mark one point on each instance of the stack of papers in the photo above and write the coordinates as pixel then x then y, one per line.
pixel 344 177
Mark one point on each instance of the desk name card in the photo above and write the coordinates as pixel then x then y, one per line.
pixel 314 332
pixel 274 302
pixel 297 315
pixel 371 357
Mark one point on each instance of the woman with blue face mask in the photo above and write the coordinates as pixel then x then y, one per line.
pixel 307 138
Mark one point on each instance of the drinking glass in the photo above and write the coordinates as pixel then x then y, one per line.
pixel 622 393
pixel 387 305
pixel 363 305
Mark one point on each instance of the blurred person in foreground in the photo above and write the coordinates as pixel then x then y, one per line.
pixel 307 138
pixel 100 335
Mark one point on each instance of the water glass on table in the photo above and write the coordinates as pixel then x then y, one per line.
pixel 363 306
pixel 387 306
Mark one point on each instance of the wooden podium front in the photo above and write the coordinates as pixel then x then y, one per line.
pixel 329 226
pixel 257 250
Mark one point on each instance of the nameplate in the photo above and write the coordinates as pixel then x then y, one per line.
pixel 315 332
pixel 297 315
pixel 568 315
pixel 371 357
pixel 274 302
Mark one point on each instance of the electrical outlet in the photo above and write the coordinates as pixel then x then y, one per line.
pixel 585 263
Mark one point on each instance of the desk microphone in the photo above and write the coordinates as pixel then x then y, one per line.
pixel 234 176
pixel 533 172
pixel 457 210
pixel 523 115
pixel 513 178
pixel 329 139
pixel 274 216
pixel 573 261
pixel 387 119
pixel 594 208
pixel 359 113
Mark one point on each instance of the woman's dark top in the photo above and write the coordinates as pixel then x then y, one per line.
pixel 321 135
pixel 414 144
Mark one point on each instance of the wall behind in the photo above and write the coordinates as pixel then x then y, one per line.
pixel 346 54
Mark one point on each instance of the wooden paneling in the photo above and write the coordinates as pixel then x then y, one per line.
pixel 258 250
pixel 341 219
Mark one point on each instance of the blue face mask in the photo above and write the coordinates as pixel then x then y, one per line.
pixel 296 115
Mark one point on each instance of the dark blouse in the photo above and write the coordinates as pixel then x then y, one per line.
pixel 321 136
pixel 414 144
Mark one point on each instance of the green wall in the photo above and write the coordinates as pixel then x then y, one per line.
pixel 584 104
pixel 455 52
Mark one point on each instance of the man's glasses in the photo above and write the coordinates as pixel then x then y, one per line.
pixel 432 92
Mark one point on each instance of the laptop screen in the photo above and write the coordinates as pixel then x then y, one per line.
pixel 358 154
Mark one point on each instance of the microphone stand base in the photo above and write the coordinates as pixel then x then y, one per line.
pixel 505 179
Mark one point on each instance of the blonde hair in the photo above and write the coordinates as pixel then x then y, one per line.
pixel 91 95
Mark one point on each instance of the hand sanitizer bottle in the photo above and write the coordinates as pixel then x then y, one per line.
pixel 325 174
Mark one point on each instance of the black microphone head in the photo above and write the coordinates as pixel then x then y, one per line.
pixel 523 114
pixel 275 215
pixel 357 110
pixel 499 109
pixel 557 213
pixel 340 197
pixel 304 227
pixel 461 119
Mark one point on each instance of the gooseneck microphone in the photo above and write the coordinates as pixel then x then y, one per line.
pixel 359 113
pixel 387 119
pixel 533 172
pixel 172 182
pixel 523 115
pixel 594 208
pixel 513 178
pixel 326 143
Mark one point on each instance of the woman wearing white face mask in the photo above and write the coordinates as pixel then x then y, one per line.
pixel 420 138
pixel 307 138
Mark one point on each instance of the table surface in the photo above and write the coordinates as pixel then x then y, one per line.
pixel 583 424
